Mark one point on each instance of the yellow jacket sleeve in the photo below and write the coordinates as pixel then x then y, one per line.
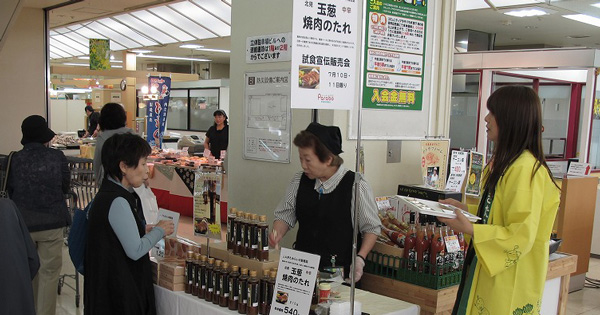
pixel 515 214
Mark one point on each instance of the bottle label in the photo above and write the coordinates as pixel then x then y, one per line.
pixel 254 246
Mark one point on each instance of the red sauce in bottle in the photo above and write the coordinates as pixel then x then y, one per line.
pixel 422 246
pixel 438 250
pixel 410 251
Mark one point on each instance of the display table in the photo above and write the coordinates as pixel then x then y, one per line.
pixel 173 187
pixel 179 303
pixel 554 301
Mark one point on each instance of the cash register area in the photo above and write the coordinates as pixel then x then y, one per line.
pixel 585 301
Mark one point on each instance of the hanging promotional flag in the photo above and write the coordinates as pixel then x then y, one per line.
pixel 207 201
pixel 99 54
pixel 156 109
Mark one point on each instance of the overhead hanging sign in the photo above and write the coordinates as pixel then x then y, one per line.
pixel 157 109
pixel 394 54
pixel 99 54
pixel 268 48
pixel 324 54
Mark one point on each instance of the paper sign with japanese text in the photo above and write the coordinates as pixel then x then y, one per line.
pixel 207 182
pixel 458 170
pixel 476 164
pixel 324 53
pixel 269 48
pixel 395 36
pixel 434 162
pixel 579 169
pixel 296 276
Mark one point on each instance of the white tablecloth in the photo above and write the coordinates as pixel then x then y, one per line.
pixel 180 303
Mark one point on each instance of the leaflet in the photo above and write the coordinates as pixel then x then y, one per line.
pixel 433 208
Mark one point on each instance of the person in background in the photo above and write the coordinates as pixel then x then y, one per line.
pixel 507 260
pixel 113 119
pixel 321 200
pixel 92 124
pixel 217 136
pixel 118 275
pixel 38 180
pixel 19 264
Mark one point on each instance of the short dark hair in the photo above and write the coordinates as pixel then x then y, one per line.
pixel 306 139
pixel 89 108
pixel 112 116
pixel 127 148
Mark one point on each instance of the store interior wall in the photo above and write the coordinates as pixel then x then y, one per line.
pixel 22 60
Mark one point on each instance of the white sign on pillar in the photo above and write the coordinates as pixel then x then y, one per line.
pixel 324 53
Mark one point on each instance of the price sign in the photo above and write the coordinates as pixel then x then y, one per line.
pixel 295 282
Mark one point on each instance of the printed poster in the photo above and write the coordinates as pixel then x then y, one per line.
pixel 458 170
pixel 324 54
pixel 99 54
pixel 395 37
pixel 157 109
pixel 207 202
pixel 267 121
pixel 269 48
pixel 434 162
pixel 476 164
pixel 295 283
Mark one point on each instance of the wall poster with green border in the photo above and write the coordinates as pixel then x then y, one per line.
pixel 394 54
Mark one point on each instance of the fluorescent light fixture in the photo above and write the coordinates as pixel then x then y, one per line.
pixel 526 12
pixel 141 51
pixel 463 42
pixel 191 46
pixel 215 50
pixel 117 61
pixel 597 5
pixel 115 66
pixel 76 64
pixel 466 5
pixel 84 57
pixel 172 58
pixel 583 18
pixel 72 90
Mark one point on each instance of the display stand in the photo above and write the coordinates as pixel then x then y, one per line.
pixel 438 302
pixel 575 222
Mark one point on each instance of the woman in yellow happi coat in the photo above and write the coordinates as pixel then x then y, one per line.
pixel 506 265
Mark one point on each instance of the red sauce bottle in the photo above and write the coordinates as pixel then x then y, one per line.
pixel 460 255
pixel 438 250
pixel 410 251
pixel 422 246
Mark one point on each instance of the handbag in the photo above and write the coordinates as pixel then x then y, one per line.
pixel 4 191
pixel 78 237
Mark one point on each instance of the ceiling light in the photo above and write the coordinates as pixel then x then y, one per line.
pixel 597 5
pixel 172 58
pixel 527 12
pixel 71 90
pixel 215 50
pixel 76 64
pixel 84 57
pixel 191 46
pixel 114 66
pixel 465 5
pixel 141 51
pixel 117 61
pixel 583 18
pixel 464 42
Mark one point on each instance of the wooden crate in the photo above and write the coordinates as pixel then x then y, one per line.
pixel 431 301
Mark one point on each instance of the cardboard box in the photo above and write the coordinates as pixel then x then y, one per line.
pixel 253 264
pixel 171 267
pixel 218 250
pixel 172 278
pixel 171 286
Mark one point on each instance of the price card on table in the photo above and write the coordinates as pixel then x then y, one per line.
pixel 296 276
pixel 458 170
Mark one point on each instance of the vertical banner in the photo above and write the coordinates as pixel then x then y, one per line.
pixel 434 162
pixel 99 54
pixel 156 109
pixel 394 54
pixel 207 202
pixel 476 163
pixel 268 116
pixel 324 53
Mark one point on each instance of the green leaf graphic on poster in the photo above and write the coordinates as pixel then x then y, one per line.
pixel 99 54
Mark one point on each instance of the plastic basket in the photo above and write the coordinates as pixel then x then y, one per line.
pixel 418 273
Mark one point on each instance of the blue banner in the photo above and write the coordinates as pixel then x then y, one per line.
pixel 156 109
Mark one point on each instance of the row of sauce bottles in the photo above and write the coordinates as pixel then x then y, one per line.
pixel 248 235
pixel 215 281
pixel 426 243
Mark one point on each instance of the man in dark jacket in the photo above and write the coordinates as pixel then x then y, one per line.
pixel 92 124
pixel 38 179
